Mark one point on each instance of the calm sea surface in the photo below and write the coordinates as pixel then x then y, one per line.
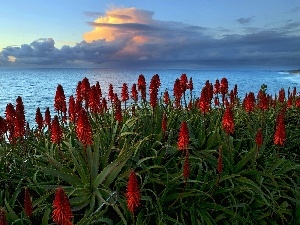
pixel 37 87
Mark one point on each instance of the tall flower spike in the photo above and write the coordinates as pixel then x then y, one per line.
pixel 133 195
pixel 110 92
pixel 153 89
pixel 183 139
pixel 56 131
pixel 124 94
pixel 27 203
pixel 62 213
pixel 3 219
pixel 71 110
pixel 228 122
pixel 48 118
pixel 39 118
pixel 60 104
pixel 83 128
pixel 279 135
pixel 142 86
pixel 134 93
pixel 166 98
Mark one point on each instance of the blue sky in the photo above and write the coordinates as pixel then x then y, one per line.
pixel 157 34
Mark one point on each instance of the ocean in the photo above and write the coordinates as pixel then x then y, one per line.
pixel 37 87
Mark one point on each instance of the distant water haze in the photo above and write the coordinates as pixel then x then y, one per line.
pixel 37 87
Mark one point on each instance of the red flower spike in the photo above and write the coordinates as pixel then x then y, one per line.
pixel 62 214
pixel 134 93
pixel 60 104
pixel 124 94
pixel 281 95
pixel 3 219
pixel 110 92
pixel 249 102
pixel 133 193
pixel 224 86
pixel 83 128
pixel 78 92
pixel 118 109
pixel 28 208
pixel 94 101
pixel 183 139
pixel 10 114
pixel 19 120
pixel 166 98
pixel 259 138
pixel 263 102
pixel 142 86
pixel 217 87
pixel 56 131
pixel 177 92
pixel 183 82
pixel 47 120
pixel 153 89
pixel 20 112
pixel 98 90
pixel 279 135
pixel 228 122
pixel 85 91
pixel 39 118
pixel 72 109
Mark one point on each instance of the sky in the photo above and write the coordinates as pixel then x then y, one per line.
pixel 194 34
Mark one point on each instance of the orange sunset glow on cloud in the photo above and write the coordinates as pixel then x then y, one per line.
pixel 127 24
pixel 113 24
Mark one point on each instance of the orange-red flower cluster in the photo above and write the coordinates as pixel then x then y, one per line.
pixel 153 89
pixel 134 93
pixel 62 213
pixel 124 94
pixel 47 120
pixel 56 131
pixel 206 97
pixel 142 86
pixel 83 128
pixel 227 121
pixel 60 104
pixel 249 102
pixel 133 193
pixel 183 139
pixel 39 118
pixel 279 135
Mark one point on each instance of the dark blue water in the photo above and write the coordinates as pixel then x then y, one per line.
pixel 37 87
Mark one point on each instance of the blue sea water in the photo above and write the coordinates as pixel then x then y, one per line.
pixel 37 87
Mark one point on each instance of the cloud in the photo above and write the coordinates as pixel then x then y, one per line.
pixel 244 21
pixel 129 37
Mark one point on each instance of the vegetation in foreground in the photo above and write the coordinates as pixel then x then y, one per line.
pixel 141 158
